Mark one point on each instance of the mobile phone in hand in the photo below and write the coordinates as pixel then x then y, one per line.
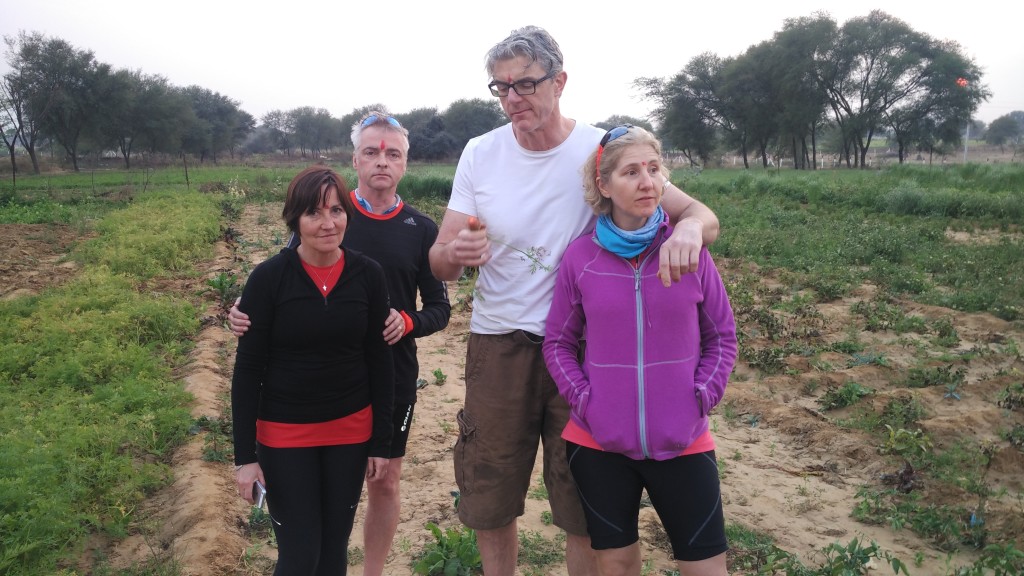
pixel 259 494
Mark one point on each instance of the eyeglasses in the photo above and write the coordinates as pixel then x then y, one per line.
pixel 610 136
pixel 522 87
pixel 374 118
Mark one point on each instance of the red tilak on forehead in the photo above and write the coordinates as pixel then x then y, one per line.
pixel 643 163
pixel 383 145
pixel 509 78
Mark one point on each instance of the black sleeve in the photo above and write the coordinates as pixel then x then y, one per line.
pixel 436 310
pixel 251 360
pixel 379 362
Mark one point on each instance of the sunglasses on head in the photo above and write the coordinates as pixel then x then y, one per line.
pixel 610 136
pixel 374 118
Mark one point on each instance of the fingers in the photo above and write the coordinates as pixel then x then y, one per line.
pixel 471 247
pixel 238 321
pixel 245 477
pixel 376 468
pixel 675 260
pixel 394 327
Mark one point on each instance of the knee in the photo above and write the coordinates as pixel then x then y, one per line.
pixel 387 488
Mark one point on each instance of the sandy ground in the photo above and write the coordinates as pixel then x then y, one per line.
pixel 789 471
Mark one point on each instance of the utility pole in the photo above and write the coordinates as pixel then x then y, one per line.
pixel 966 138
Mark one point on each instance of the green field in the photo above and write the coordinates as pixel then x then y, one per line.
pixel 91 408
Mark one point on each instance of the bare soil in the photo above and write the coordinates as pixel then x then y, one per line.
pixel 789 470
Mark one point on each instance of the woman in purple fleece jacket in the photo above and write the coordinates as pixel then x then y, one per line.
pixel 656 361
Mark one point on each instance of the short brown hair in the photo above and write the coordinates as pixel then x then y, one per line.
pixel 307 192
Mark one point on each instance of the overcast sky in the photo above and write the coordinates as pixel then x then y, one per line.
pixel 413 54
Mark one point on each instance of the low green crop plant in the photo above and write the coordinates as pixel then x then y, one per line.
pixel 769 360
pixel 1015 436
pixel 537 553
pixel 905 443
pixel 881 314
pixel 995 560
pixel 842 396
pixel 903 412
pixel 453 553
pixel 945 333
pixel 134 243
pixel 225 287
pixel 439 376
pixel 1012 397
pixel 539 490
pixel 855 557
pixel 935 376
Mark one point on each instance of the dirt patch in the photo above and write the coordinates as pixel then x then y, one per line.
pixel 34 257
pixel 789 470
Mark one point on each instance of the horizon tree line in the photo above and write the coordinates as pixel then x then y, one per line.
pixel 815 88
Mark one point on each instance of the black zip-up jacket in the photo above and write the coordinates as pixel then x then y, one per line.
pixel 309 358
pixel 400 242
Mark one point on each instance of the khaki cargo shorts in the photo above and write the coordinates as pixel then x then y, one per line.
pixel 511 405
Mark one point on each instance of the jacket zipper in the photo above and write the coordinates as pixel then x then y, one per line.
pixel 641 396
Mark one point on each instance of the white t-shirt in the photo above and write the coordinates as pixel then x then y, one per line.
pixel 532 204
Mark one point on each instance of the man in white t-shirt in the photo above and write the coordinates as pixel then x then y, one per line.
pixel 516 203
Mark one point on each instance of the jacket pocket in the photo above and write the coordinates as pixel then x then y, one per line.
pixel 579 407
pixel 703 401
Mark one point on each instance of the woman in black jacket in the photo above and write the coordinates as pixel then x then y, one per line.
pixel 313 385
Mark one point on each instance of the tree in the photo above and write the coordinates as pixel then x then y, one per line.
pixel 465 119
pixel 688 107
pixel 349 120
pixel 948 94
pixel 120 119
pixel 749 84
pixel 315 130
pixel 1002 130
pixel 280 130
pixel 428 139
pixel 220 123
pixel 81 85
pixel 804 113
pixel 163 112
pixel 9 126
pixel 874 66
pixel 29 91
pixel 244 125
pixel 617 120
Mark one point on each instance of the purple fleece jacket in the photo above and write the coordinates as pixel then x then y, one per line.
pixel 657 359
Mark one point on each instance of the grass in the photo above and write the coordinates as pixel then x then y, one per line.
pixel 89 404
pixel 90 408
pixel 841 228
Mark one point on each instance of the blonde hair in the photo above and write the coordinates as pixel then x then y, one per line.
pixel 610 156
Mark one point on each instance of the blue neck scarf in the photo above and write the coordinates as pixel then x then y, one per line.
pixel 628 243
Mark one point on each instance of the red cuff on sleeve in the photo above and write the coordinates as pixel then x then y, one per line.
pixel 408 323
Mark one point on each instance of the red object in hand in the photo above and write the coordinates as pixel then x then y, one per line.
pixel 474 223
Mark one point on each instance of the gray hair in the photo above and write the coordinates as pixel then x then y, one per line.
pixel 534 43
pixel 383 120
